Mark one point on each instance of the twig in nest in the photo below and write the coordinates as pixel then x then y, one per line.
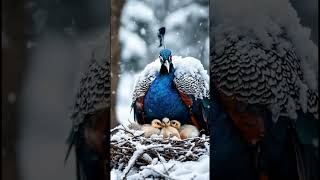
pixel 123 151
pixel 132 160
pixel 115 129
pixel 125 129
pixel 160 173
pixel 171 167
pixel 164 167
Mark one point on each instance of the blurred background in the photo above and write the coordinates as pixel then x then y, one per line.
pixel 46 45
pixel 187 34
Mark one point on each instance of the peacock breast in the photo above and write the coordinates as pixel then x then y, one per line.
pixel 163 100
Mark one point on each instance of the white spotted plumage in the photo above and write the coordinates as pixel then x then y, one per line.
pixel 190 77
pixel 93 93
pixel 263 55
pixel 252 73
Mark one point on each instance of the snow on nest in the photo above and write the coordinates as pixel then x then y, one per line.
pixel 265 20
pixel 196 170
pixel 158 167
pixel 183 66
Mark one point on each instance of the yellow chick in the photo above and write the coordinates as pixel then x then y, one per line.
pixel 168 131
pixel 186 131
pixel 154 128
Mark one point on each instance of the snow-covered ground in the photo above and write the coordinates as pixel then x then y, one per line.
pixel 196 170
pixel 158 167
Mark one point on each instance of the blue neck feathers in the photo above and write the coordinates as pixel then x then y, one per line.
pixel 163 100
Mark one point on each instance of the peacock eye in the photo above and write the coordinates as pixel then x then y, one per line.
pixel 170 58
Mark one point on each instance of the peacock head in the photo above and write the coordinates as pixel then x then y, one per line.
pixel 165 60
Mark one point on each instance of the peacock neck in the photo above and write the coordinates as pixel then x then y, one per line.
pixel 163 100
pixel 164 71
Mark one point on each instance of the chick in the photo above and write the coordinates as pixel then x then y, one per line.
pixel 185 131
pixel 168 131
pixel 154 128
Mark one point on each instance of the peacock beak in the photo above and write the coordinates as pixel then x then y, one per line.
pixel 167 65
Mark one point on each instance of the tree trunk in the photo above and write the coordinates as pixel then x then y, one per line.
pixel 13 63
pixel 116 9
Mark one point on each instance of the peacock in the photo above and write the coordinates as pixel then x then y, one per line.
pixel 91 117
pixel 265 110
pixel 172 87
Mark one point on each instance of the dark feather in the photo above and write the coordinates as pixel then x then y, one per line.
pixel 70 142
pixel 138 110
pixel 161 33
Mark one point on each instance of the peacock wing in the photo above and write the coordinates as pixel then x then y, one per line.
pixel 90 117
pixel 192 82
pixel 142 84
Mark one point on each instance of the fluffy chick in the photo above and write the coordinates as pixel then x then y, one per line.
pixel 185 131
pixel 154 128
pixel 168 131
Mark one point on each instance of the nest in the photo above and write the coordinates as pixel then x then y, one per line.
pixel 134 150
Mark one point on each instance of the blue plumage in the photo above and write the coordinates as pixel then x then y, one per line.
pixel 176 92
pixel 165 53
pixel 163 100
pixel 168 93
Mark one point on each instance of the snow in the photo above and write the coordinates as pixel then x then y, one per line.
pixel 262 18
pixel 181 16
pixel 159 167
pixel 144 17
pixel 136 11
pixel 140 21
pixel 132 45
pixel 124 92
pixel 178 170
pixel 187 70
pixel 182 65
pixel 190 65
pixel 143 31
pixel 134 157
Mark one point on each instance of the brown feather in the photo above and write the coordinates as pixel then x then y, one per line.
pixel 250 126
